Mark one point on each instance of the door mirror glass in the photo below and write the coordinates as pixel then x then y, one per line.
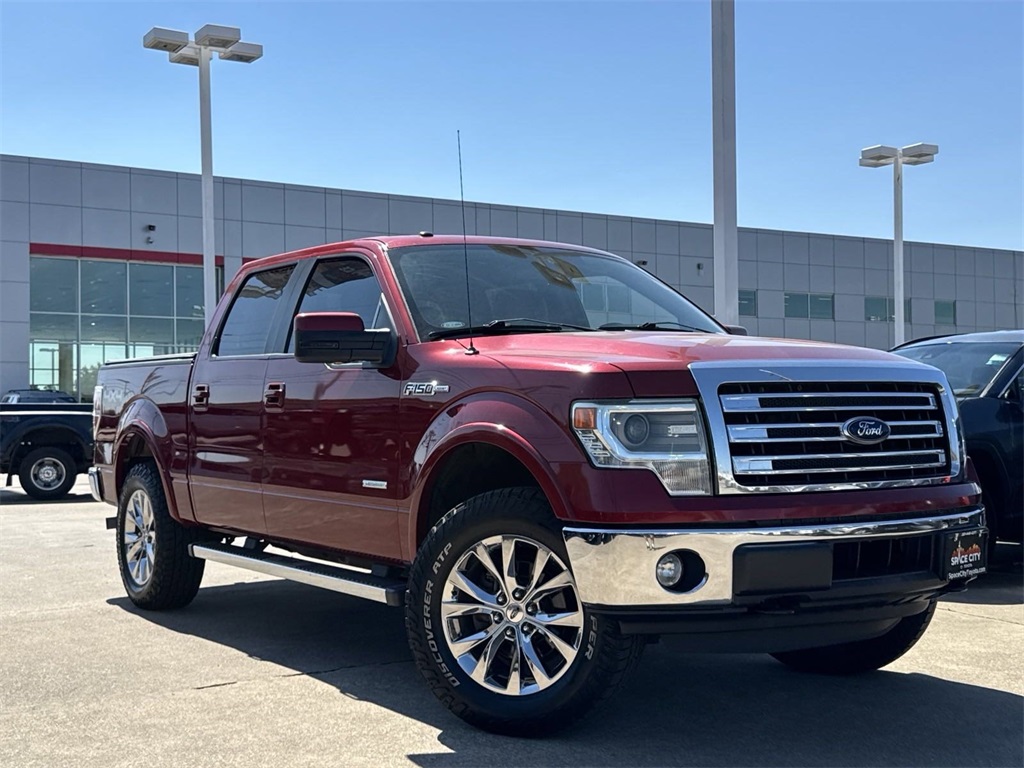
pixel 339 337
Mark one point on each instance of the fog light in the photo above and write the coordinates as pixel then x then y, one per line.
pixel 669 570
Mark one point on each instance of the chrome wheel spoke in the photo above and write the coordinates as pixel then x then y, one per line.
pixel 464 645
pixel 132 553
pixel 535 665
pixel 568 651
pixel 540 562
pixel 478 593
pixel 483 556
pixel 483 664
pixel 567 619
pixel 556 582
pixel 508 564
pixel 451 609
pixel 515 680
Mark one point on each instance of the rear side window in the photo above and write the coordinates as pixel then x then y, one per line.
pixel 251 317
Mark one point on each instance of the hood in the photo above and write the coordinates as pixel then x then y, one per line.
pixel 658 350
pixel 656 362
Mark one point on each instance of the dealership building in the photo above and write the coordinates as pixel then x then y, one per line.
pixel 100 262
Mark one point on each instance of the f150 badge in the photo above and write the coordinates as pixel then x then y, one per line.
pixel 865 430
pixel 425 388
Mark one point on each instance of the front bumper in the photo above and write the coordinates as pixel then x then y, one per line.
pixel 96 484
pixel 615 568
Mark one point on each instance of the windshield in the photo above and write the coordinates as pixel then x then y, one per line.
pixel 969 366
pixel 566 288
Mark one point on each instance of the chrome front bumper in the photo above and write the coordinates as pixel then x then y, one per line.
pixel 96 484
pixel 616 567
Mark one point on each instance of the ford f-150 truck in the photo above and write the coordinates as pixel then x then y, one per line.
pixel 548 457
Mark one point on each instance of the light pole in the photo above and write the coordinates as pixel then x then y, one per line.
pixel 225 41
pixel 876 157
pixel 723 142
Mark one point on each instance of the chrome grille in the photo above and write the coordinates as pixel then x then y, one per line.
pixel 789 433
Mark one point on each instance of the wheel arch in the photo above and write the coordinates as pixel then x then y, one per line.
pixel 49 434
pixel 474 459
pixel 135 442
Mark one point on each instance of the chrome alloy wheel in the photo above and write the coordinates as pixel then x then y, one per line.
pixel 139 538
pixel 512 615
pixel 47 474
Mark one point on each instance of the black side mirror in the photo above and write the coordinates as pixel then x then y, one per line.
pixel 736 330
pixel 339 337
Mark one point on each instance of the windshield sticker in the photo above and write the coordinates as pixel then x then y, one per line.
pixel 452 324
pixel 997 359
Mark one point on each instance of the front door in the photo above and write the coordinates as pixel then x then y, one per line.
pixel 226 408
pixel 331 432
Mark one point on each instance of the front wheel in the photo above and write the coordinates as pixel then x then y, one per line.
pixel 47 473
pixel 496 624
pixel 862 655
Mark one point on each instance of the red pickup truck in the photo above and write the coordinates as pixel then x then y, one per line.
pixel 548 457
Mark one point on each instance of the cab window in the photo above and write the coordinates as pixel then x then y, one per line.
pixel 247 327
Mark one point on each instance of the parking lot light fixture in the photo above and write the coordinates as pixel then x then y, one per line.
pixel 876 157
pixel 197 52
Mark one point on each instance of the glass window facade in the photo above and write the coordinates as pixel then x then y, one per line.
pixel 945 312
pixel 882 309
pixel 819 306
pixel 84 312
pixel 748 303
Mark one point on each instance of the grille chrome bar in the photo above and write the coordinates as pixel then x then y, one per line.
pixel 909 401
pixel 764 465
pixel 759 433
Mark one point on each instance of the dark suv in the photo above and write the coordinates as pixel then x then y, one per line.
pixel 986 372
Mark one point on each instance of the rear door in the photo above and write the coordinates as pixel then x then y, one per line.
pixel 331 432
pixel 226 405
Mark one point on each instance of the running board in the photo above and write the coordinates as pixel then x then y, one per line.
pixel 367 586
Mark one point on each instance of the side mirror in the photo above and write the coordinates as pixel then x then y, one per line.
pixel 339 337
pixel 736 330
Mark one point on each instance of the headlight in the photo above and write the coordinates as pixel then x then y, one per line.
pixel 664 437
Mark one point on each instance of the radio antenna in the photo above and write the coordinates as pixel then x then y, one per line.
pixel 472 350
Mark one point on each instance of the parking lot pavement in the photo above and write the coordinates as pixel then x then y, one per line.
pixel 264 672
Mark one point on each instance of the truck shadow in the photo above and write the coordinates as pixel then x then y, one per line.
pixel 679 709
pixel 8 496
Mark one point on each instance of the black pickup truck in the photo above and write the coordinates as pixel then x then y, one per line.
pixel 45 445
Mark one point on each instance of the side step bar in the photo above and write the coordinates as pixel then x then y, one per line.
pixel 381 590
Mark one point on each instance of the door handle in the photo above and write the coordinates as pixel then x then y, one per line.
pixel 200 396
pixel 273 395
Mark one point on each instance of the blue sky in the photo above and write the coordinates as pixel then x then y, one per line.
pixel 594 106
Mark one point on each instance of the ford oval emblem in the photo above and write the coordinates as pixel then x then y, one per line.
pixel 866 430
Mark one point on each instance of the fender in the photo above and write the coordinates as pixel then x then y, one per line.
pixel 142 418
pixel 506 421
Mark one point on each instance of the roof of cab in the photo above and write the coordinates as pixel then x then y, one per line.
pixel 404 241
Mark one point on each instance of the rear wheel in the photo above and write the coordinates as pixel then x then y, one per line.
pixel 47 473
pixel 862 655
pixel 496 624
pixel 152 547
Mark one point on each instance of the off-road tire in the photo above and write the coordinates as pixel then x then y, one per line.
pixel 863 655
pixel 605 656
pixel 58 455
pixel 176 575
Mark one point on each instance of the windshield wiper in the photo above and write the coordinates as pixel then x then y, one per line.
pixel 659 326
pixel 509 325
